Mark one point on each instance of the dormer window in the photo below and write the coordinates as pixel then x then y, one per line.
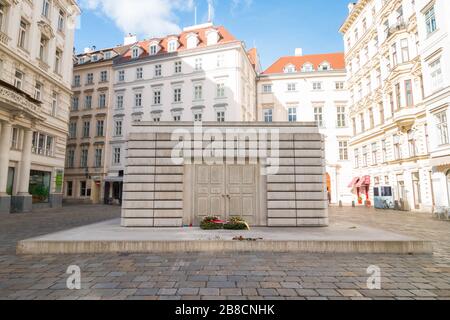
pixel 290 68
pixel 94 58
pixel 212 37
pixel 192 41
pixel 307 67
pixel 135 53
pixel 153 49
pixel 324 66
pixel 107 55
pixel 81 60
pixel 173 45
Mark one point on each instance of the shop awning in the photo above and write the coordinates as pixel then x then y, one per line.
pixel 354 182
pixel 363 182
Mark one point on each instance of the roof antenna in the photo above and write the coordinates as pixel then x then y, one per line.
pixel 209 11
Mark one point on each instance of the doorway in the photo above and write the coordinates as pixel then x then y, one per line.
pixel 226 191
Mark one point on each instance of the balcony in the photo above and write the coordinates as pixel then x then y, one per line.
pixel 4 39
pixel 399 26
pixel 19 102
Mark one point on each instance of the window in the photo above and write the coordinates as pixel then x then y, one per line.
pixel 46 8
pixel 135 53
pixel 220 115
pixel 84 158
pixel 291 87
pixel 442 127
pixel 404 50
pixel 394 55
pixel 116 156
pixel 138 100
pixel 98 157
pixel 118 128
pixel 198 117
pixel 354 126
pixel 2 16
pixel 307 67
pixel 356 154
pixel 23 30
pixel 38 91
pixel 153 49
pixel 198 92
pixel 371 118
pixel 220 90
pixel 90 78
pixel 198 64
pixel 76 81
pixel 121 75
pixel 343 150
pixel 267 88
pixel 292 114
pixel 72 130
pixel 384 150
pixel 104 76
pixel 339 85
pixel 58 57
pixel 381 112
pixel 86 129
pixel 15 139
pixel 61 21
pixel 398 96
pixel 430 20
pixel 119 102
pixel 107 55
pixel 268 113
pixel 436 74
pixel 412 144
pixel 362 123
pixel 177 117
pixel 378 77
pixel 70 158
pixel 18 79
pixel 84 190
pixel 43 49
pixel 158 70
pixel 409 93
pixel 172 46
pixel 220 60
pixel 317 85
pixel 75 103
pixel 324 66
pixel 157 117
pixel 397 148
pixel 177 95
pixel 374 154
pixel 341 117
pixel 289 69
pixel 139 73
pixel 364 156
pixel 100 128
pixel 318 116
pixel 54 104
pixel 178 67
pixel 88 102
pixel 157 97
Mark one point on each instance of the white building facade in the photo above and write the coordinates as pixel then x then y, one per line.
pixel 312 88
pixel 391 145
pixel 36 45
pixel 433 29
pixel 202 74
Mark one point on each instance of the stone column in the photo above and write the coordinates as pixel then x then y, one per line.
pixel 23 201
pixel 5 140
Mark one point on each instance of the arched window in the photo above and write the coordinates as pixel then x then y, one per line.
pixel 173 45
pixel 192 41
pixel 324 66
pixel 135 53
pixel 153 49
pixel 212 37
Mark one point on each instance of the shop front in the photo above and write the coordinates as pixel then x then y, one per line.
pixel 361 188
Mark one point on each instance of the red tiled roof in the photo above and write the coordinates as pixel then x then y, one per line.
pixel 224 37
pixel 336 60
pixel 253 56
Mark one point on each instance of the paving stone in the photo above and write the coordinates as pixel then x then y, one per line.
pixel 188 291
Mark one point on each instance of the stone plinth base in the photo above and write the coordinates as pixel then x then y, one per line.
pixel 21 204
pixel 5 204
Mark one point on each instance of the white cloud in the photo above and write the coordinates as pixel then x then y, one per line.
pixel 142 17
pixel 239 4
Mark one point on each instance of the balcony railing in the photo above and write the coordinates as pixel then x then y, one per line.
pixel 4 39
pixel 400 25
pixel 18 100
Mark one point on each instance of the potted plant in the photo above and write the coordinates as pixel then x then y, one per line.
pixel 212 223
pixel 236 223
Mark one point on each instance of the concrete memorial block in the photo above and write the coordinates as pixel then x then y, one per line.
pixel 269 174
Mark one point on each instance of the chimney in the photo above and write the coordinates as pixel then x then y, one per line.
pixel 298 52
pixel 130 39
pixel 351 5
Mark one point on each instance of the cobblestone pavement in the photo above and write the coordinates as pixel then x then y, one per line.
pixel 223 276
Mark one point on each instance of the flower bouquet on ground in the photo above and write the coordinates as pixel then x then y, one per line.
pixel 212 223
pixel 236 223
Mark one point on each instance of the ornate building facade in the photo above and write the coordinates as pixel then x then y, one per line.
pixel 36 45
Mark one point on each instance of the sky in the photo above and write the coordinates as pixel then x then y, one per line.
pixel 275 27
